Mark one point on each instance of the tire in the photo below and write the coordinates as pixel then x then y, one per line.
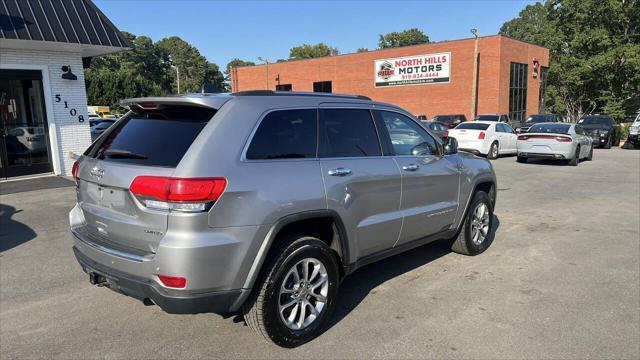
pixel 576 157
pixel 590 157
pixel 493 151
pixel 464 243
pixel 608 144
pixel 521 159
pixel 617 143
pixel 261 310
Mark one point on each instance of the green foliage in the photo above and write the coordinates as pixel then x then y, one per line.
pixel 595 53
pixel 408 37
pixel 306 51
pixel 362 50
pixel 235 63
pixel 148 70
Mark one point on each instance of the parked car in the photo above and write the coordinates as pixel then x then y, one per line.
pixel 503 118
pixel 27 139
pixel 602 129
pixel 242 208
pixel 437 128
pixel 450 120
pixel 557 141
pixel 488 138
pixel 536 119
pixel 634 133
pixel 98 129
pixel 94 119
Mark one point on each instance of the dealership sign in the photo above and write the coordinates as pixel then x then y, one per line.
pixel 413 70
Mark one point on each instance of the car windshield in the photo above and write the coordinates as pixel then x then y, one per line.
pixel 533 119
pixel 443 118
pixel 550 128
pixel 601 121
pixel 488 117
pixel 472 126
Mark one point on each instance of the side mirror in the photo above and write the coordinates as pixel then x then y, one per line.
pixel 450 146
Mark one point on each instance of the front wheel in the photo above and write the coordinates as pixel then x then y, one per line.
pixel 296 293
pixel 493 151
pixel 608 144
pixel 475 234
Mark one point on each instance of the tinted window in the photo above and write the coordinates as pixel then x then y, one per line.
pixel 443 118
pixel 579 130
pixel 407 137
pixel 347 133
pixel 153 137
pixel 488 117
pixel 322 86
pixel 554 128
pixel 472 126
pixel 285 134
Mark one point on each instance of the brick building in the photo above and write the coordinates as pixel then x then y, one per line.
pixel 44 48
pixel 428 79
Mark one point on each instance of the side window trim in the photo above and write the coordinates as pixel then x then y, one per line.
pixel 243 156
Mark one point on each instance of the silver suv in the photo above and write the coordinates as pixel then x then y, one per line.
pixel 264 201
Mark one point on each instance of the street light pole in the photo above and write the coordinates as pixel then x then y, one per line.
pixel 266 72
pixel 474 81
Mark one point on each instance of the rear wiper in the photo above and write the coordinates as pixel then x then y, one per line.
pixel 123 154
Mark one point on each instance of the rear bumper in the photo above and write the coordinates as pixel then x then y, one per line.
pixel 145 289
pixel 542 156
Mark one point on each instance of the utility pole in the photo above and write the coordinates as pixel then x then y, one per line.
pixel 266 72
pixel 474 85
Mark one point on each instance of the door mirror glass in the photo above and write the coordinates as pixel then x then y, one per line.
pixel 450 146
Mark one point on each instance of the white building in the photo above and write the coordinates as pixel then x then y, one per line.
pixel 44 47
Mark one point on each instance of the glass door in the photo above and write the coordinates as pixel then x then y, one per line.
pixel 24 134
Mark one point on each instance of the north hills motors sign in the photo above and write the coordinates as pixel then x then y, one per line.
pixel 413 70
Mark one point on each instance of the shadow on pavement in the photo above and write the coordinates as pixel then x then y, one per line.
pixel 358 285
pixel 12 233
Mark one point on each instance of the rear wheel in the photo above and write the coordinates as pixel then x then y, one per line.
pixel 576 158
pixel 521 159
pixel 493 151
pixel 608 144
pixel 296 292
pixel 590 157
pixel 475 234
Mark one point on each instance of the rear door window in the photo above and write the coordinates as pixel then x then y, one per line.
pixel 285 134
pixel 348 133
pixel 158 137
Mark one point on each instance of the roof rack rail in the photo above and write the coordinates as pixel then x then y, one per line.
pixel 296 93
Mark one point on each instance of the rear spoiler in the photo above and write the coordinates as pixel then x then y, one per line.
pixel 213 101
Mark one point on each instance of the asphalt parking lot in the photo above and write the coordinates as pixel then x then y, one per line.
pixel 561 280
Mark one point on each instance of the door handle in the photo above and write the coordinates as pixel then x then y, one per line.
pixel 410 167
pixel 339 172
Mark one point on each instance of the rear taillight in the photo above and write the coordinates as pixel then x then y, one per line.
pixel 173 281
pixel 481 135
pixel 179 194
pixel 563 139
pixel 74 171
pixel 523 137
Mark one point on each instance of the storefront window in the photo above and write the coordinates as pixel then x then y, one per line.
pixel 518 91
pixel 24 144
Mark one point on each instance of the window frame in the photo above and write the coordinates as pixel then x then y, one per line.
pixel 243 157
pixel 387 136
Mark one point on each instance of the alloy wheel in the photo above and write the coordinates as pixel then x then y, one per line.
pixel 303 293
pixel 480 224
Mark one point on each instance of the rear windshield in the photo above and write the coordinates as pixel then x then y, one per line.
pixel 472 126
pixel 550 128
pixel 488 117
pixel 538 119
pixel 152 137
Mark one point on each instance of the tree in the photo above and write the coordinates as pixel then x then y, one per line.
pixel 595 53
pixel 362 50
pixel 409 37
pixel 306 51
pixel 235 63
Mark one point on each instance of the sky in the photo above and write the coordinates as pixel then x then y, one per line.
pixel 223 30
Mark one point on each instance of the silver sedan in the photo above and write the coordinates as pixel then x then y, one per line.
pixel 559 141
